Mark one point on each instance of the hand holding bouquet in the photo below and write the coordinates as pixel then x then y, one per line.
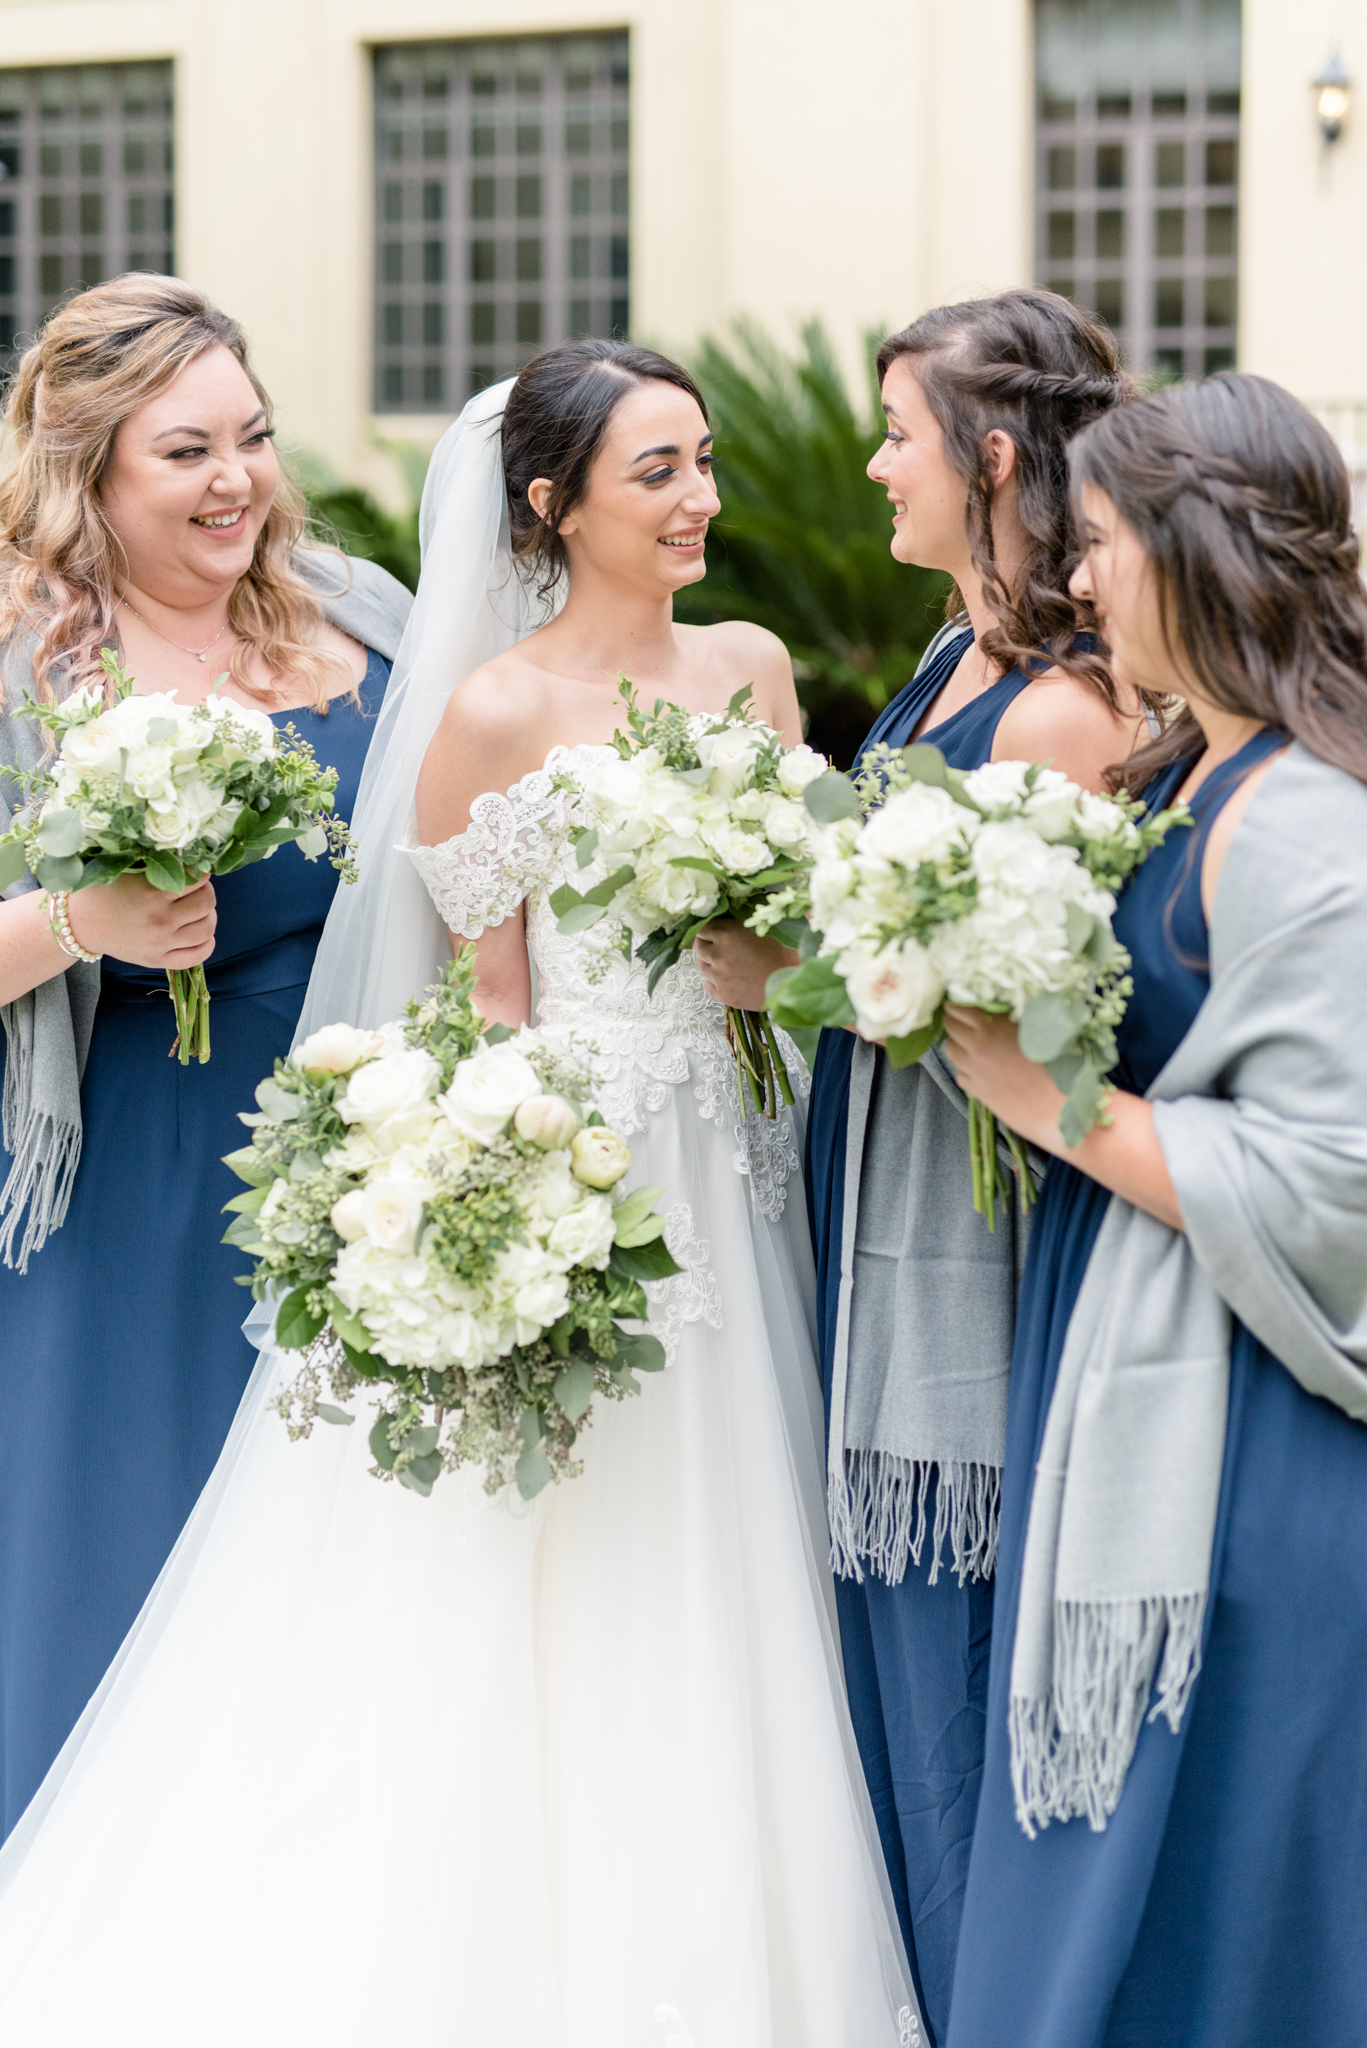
pixel 150 786
pixel 994 888
pixel 438 1205
pixel 699 817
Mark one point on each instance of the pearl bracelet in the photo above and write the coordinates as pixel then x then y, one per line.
pixel 59 923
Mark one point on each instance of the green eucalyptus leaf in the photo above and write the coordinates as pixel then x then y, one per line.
pixel 644 1232
pixel 604 891
pixel 248 1204
pixel 924 763
pixel 573 1388
pixel 585 848
pixel 1049 1026
pixel 809 995
pixel 533 1471
pixel 13 862
pixel 420 1475
pixel 635 1208
pixel 1079 1112
pixel 497 1033
pixel 904 1052
pixel 327 1413
pixel 640 1352
pixel 652 1261
pixel 348 1327
pixel 297 1324
pixel 60 833
pixel 832 796
pixel 279 1105
pixel 381 1450
pixel 159 729
pixel 248 1165
pixel 1079 927
pixel 56 874
pixel 580 918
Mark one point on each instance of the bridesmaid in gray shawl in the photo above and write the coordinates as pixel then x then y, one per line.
pixel 916 1298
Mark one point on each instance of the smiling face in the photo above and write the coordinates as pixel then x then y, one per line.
pixel 1118 577
pixel 190 481
pixel 650 496
pixel 929 497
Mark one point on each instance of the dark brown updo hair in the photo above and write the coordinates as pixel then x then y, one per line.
pixel 1241 501
pixel 1038 368
pixel 553 426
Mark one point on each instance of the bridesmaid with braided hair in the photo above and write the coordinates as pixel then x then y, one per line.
pixel 916 1297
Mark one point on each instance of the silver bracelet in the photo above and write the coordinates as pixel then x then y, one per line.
pixel 59 923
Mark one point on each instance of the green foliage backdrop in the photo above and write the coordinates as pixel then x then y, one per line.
pixel 801 544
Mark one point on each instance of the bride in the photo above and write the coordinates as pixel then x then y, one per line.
pixel 459 1770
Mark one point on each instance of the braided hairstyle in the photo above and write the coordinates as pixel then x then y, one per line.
pixel 1031 364
pixel 1241 501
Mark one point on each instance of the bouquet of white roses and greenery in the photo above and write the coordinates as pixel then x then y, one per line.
pixel 437 1205
pixel 700 816
pixel 992 887
pixel 150 786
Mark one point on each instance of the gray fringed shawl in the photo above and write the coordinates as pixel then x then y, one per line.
pixel 924 1327
pixel 1262 1117
pixel 47 1032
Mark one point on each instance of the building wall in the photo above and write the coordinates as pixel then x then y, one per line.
pixel 858 161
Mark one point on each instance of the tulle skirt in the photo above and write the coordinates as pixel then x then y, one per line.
pixel 474 1771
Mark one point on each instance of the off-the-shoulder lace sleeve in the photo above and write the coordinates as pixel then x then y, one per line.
pixel 481 875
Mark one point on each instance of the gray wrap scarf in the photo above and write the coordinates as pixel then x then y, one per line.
pixel 1262 1117
pixel 47 1032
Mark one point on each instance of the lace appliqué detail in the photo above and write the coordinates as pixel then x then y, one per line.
pixel 692 1296
pixel 479 877
pixel 766 1149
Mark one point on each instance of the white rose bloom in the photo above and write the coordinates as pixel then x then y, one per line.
pixel 347 1215
pixel 391 1212
pixel 786 824
pixel 894 992
pixel 799 766
pixel 1013 856
pixel 93 749
pixel 170 825
pixel 922 823
pixel 599 1157
pixel 1098 818
pixel 152 773
pixel 740 853
pixel 356 1153
pixel 538 1304
pixel 389 1086
pixel 336 1049
pixel 832 883
pixel 486 1089
pixel 1051 805
pixel 554 1191
pixel 583 1237
pixel 729 757
pixel 997 785
pixel 674 893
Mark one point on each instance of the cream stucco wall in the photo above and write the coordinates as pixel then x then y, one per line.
pixel 857 159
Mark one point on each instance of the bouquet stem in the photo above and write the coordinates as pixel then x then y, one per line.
pixel 989 1184
pixel 190 995
pixel 759 1061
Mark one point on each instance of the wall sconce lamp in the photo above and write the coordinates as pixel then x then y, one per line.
pixel 1333 88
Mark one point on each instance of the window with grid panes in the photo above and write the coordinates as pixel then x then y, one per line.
pixel 85 184
pixel 501 200
pixel 1137 167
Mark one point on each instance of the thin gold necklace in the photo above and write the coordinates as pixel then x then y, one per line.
pixel 198 652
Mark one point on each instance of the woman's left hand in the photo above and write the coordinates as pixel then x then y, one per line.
pixel 990 1065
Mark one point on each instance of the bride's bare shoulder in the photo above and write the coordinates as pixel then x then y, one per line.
pixel 491 734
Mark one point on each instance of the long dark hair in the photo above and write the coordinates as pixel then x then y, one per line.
pixel 553 426
pixel 1241 501
pixel 1033 365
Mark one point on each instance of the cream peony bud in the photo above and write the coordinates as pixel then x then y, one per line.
pixel 546 1120
pixel 335 1049
pixel 598 1157
pixel 348 1216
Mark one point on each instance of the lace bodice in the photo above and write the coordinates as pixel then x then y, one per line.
pixel 643 1045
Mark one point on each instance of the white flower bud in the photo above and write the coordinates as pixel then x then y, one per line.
pixel 546 1120
pixel 598 1157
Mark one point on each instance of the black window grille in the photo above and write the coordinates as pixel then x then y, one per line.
pixel 1137 172
pixel 86 184
pixel 501 208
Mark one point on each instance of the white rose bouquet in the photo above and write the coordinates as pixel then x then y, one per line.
pixel 150 786
pixel 992 887
pixel 437 1204
pixel 698 817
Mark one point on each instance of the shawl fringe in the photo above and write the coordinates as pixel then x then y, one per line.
pixel 46 1156
pixel 878 1515
pixel 1070 1752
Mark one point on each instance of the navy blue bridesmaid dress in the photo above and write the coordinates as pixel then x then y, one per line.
pixel 1225 1904
pixel 916 1655
pixel 122 1358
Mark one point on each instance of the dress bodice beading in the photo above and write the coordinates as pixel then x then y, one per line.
pixel 643 1044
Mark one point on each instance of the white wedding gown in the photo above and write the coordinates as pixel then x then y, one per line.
pixel 465 1771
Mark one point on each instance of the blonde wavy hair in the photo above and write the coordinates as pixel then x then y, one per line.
pixel 100 357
